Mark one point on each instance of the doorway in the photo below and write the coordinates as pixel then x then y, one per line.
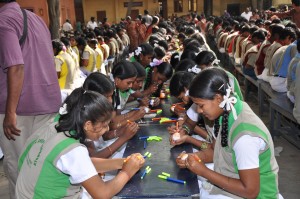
pixel 234 9
pixel 208 5
pixel 79 11
pixel 101 15
pixel 134 14
pixel 163 8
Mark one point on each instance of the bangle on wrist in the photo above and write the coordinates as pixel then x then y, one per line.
pixel 126 173
pixel 187 129
pixel 204 146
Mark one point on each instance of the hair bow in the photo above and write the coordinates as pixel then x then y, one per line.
pixel 63 109
pixel 228 102
pixel 155 62
pixel 195 69
pixel 111 77
pixel 138 51
pixel 187 93
pixel 215 62
pixel 131 54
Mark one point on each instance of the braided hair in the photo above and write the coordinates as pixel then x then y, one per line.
pixel 148 79
pixel 224 132
pixel 206 85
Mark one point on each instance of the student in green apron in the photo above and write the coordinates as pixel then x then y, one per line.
pixel 55 163
pixel 243 153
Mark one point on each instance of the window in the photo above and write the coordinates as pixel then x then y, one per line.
pixel 192 5
pixel 178 6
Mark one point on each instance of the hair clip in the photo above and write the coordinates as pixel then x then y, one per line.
pixel 220 87
pixel 176 57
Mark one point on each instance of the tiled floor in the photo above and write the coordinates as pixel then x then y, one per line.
pixel 289 165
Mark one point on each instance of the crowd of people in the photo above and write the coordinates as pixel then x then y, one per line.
pixel 63 103
pixel 266 49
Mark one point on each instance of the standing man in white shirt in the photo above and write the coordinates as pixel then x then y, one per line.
pixel 247 14
pixel 92 24
pixel 67 26
pixel 147 17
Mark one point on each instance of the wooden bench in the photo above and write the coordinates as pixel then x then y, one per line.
pixel 265 91
pixel 238 73
pixel 248 82
pixel 282 121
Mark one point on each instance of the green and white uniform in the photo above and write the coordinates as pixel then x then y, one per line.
pixel 41 177
pixel 225 161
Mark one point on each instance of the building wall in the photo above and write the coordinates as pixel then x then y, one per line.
pixel 280 2
pixel 40 7
pixel 219 6
pixel 67 11
pixel 115 9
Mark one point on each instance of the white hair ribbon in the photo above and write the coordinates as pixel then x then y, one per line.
pixel 63 109
pixel 176 57
pixel 111 77
pixel 187 93
pixel 229 102
pixel 195 69
pixel 200 49
pixel 131 54
pixel 138 51
pixel 215 62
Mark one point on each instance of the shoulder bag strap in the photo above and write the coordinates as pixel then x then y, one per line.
pixel 25 29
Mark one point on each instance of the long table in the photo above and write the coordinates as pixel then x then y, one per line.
pixel 162 160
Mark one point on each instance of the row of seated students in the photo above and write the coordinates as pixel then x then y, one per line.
pixel 268 51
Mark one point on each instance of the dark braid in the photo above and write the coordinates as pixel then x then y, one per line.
pixel 217 126
pixel 116 99
pixel 149 78
pixel 224 132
